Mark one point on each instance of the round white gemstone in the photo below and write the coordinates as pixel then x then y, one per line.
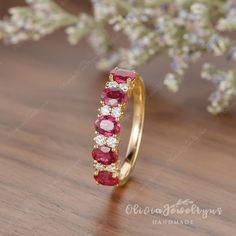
pixel 105 110
pixel 112 142
pixel 99 167
pixel 124 87
pixel 116 112
pixel 110 168
pixel 112 84
pixel 100 140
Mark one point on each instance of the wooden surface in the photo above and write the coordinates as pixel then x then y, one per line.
pixel 48 102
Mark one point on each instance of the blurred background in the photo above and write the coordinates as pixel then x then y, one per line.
pixel 48 103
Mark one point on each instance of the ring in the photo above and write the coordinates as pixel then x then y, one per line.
pixel 122 84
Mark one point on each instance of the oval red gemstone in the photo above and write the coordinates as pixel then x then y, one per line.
pixel 122 75
pixel 104 155
pixel 105 178
pixel 114 96
pixel 107 125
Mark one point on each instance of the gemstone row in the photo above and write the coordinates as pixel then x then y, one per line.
pixel 107 126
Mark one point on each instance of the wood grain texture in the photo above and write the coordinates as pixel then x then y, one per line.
pixel 48 102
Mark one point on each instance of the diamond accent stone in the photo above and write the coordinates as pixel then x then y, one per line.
pixel 100 140
pixel 116 112
pixel 112 142
pixel 124 87
pixel 112 84
pixel 110 168
pixel 101 167
pixel 105 110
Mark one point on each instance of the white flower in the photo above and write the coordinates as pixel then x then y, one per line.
pixel 171 82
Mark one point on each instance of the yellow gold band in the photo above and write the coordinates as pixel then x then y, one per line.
pixel 136 131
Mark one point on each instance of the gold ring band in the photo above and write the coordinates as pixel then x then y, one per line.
pixel 122 84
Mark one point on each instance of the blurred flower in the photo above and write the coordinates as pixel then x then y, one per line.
pixel 185 29
pixel 225 82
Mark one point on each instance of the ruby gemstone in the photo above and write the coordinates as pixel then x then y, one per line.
pixel 104 155
pixel 107 125
pixel 114 96
pixel 122 75
pixel 105 178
